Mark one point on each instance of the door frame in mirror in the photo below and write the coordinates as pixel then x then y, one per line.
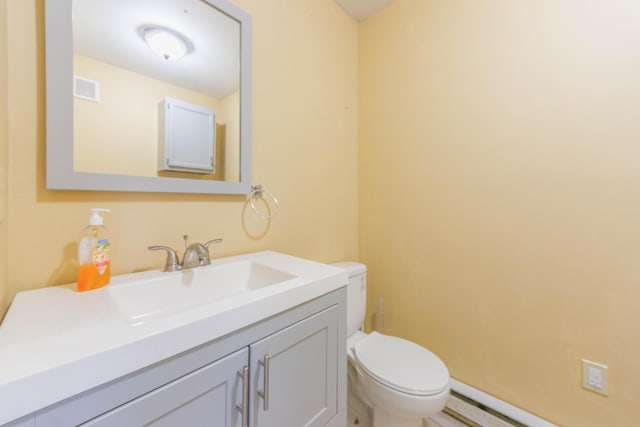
pixel 59 115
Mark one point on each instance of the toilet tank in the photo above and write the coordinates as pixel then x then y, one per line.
pixel 356 294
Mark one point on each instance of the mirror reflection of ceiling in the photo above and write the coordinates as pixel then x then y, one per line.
pixel 109 31
pixel 362 9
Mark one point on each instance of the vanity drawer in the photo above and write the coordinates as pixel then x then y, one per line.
pixel 211 393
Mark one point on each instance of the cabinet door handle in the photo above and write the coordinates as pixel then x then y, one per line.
pixel 244 374
pixel 264 394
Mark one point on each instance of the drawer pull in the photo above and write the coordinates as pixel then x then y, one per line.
pixel 264 394
pixel 244 408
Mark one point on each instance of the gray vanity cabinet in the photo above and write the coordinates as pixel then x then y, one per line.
pixel 288 370
pixel 294 374
pixel 293 381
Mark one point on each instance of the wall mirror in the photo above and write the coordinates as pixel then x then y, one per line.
pixel 111 66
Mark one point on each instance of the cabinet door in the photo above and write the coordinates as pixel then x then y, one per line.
pixel 294 374
pixel 189 139
pixel 210 396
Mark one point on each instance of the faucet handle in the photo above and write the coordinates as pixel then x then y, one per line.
pixel 210 242
pixel 206 248
pixel 172 263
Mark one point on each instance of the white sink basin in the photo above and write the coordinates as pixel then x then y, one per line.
pixel 175 292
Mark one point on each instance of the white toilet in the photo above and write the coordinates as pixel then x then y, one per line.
pixel 399 381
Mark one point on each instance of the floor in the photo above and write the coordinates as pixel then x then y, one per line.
pixel 438 420
pixel 444 420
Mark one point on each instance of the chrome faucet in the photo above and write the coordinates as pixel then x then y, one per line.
pixel 196 255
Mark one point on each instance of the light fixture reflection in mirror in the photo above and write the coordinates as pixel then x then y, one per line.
pixel 165 42
pixel 87 149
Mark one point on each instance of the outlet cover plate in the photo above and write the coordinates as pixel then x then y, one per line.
pixel 595 377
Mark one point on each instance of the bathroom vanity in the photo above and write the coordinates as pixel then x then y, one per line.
pixel 252 340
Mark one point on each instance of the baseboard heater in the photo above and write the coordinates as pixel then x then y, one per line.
pixel 476 408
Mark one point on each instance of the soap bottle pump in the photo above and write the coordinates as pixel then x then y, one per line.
pixel 94 253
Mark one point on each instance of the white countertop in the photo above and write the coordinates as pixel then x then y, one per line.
pixel 56 342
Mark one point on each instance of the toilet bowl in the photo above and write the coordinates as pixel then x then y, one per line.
pixel 400 381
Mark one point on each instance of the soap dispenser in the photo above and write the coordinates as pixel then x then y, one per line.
pixel 94 253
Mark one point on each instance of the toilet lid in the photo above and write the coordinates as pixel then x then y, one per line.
pixel 402 365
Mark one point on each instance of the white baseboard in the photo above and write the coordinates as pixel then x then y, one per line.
pixel 497 405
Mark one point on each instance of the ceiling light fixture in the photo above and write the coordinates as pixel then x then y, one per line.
pixel 165 42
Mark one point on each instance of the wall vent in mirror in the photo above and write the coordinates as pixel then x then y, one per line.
pixel 86 89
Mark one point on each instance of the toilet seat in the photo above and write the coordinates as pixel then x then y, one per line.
pixel 401 365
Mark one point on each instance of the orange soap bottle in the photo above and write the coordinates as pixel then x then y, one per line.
pixel 94 253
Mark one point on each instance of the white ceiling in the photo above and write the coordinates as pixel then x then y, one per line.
pixel 362 9
pixel 108 30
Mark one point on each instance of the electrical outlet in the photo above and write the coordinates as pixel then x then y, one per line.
pixel 595 377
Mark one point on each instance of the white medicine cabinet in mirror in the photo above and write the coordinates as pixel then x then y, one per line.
pixel 111 66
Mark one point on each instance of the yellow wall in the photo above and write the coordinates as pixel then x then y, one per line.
pixel 230 117
pixel 3 157
pixel 304 150
pixel 500 194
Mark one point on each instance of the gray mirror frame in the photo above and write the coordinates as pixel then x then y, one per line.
pixel 59 115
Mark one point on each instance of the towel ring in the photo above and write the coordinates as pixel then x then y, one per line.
pixel 257 192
